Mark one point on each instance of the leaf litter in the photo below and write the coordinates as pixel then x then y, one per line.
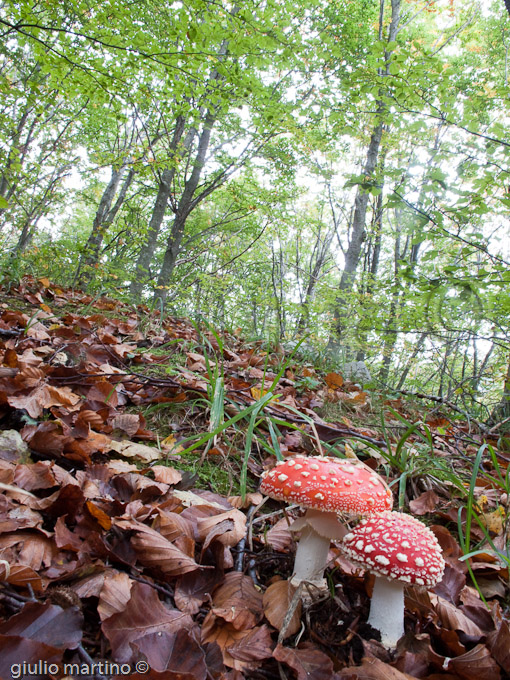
pixel 110 552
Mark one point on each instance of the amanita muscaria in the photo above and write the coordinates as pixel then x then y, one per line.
pixel 399 550
pixel 327 487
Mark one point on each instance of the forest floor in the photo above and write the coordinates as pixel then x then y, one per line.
pixel 132 531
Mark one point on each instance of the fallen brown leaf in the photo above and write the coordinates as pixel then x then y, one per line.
pixel 143 615
pixel 276 602
pixel 308 663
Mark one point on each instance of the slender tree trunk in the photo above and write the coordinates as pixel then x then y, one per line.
pixel 184 208
pixel 417 349
pixel 146 255
pixel 502 410
pixel 320 254
pixel 103 219
pixel 358 229
pixel 372 264
pixel 178 151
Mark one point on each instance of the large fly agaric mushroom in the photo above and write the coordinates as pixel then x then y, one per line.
pixel 326 487
pixel 399 550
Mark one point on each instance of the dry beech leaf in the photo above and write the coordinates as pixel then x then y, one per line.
pixel 250 499
pixel 308 663
pixel 154 550
pixel 452 617
pixel 426 502
pixel 144 614
pixel 334 381
pixel 173 526
pixel 451 584
pixel 477 664
pixel 47 623
pixel 241 649
pixel 279 537
pixel 89 418
pixel 276 602
pixel 499 643
pixel 114 595
pixel 127 422
pixel 22 576
pixel 35 550
pixel 231 534
pixel 35 476
pixel 177 653
pixel 188 499
pixel 195 588
pixel 133 450
pixel 119 466
pixel 167 475
pixel 43 397
pixel 238 602
pixel 373 669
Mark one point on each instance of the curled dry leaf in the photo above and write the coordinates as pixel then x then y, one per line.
pixel 452 617
pixel 477 664
pixel 276 602
pixel 231 533
pixel 35 550
pixel 279 537
pixel 308 663
pixel 43 397
pixel 250 499
pixel 127 422
pixel 173 526
pixel 22 576
pixel 155 551
pixel 241 649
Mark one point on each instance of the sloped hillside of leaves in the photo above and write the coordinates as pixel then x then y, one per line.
pixel 111 553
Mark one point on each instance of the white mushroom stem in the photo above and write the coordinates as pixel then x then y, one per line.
pixel 387 610
pixel 318 529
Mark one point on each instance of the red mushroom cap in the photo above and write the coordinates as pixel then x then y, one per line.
pixel 329 484
pixel 396 546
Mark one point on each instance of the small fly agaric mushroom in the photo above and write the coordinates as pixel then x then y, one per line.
pixel 327 487
pixel 398 549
